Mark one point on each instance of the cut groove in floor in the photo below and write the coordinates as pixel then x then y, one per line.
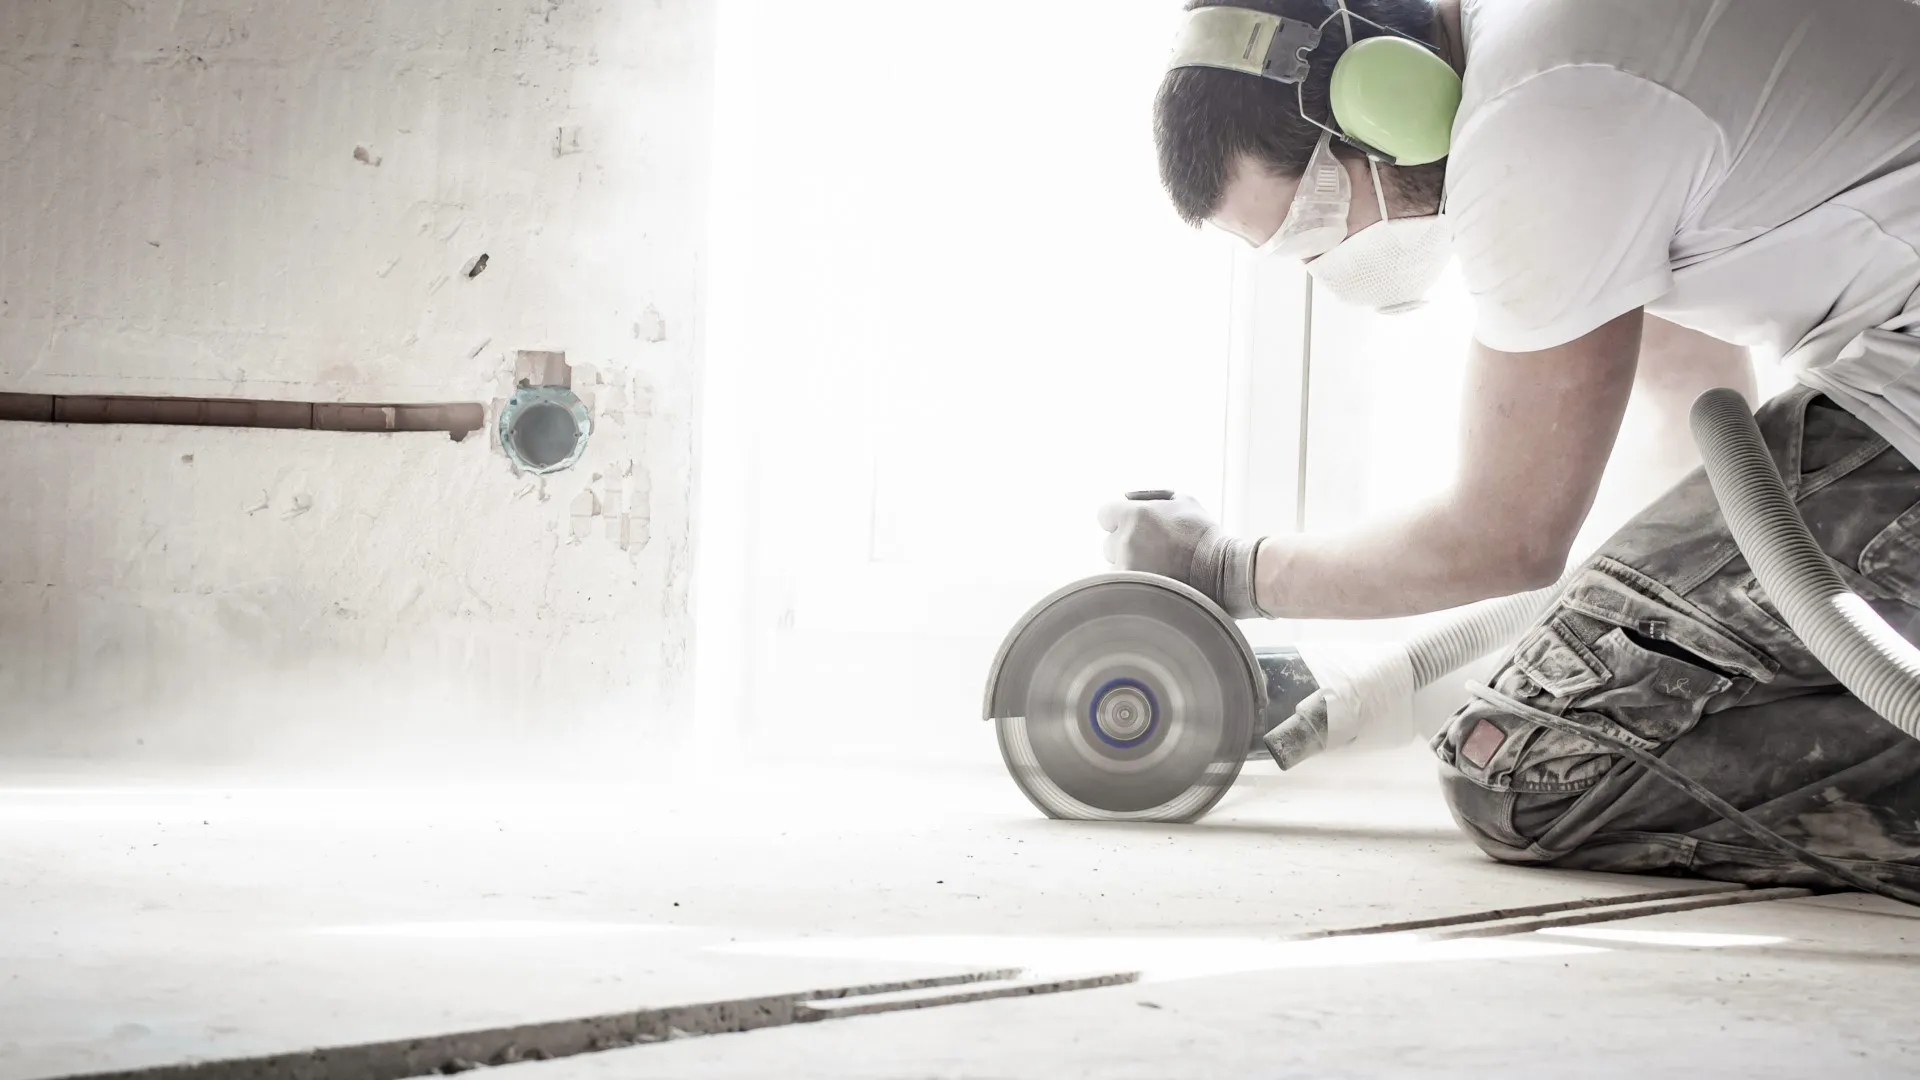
pixel 464 1051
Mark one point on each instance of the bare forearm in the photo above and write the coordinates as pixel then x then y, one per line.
pixel 1424 561
pixel 1537 429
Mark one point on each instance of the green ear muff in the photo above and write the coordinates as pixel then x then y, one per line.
pixel 1392 96
pixel 1398 98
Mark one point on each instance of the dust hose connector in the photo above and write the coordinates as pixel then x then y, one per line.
pixel 1839 628
pixel 1301 736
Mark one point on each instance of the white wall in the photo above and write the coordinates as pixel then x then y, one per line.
pixel 277 198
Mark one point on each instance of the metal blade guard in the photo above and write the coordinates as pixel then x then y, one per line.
pixel 1125 697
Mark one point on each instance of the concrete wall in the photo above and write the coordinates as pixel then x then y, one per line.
pixel 280 199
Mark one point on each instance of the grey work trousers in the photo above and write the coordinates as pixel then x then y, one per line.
pixel 1667 635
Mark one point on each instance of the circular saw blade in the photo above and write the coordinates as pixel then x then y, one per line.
pixel 1126 697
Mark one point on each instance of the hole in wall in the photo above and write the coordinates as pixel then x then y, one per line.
pixel 545 435
pixel 545 429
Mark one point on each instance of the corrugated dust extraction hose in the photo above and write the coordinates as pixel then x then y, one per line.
pixel 1839 628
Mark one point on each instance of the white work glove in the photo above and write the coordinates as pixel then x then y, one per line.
pixel 1155 532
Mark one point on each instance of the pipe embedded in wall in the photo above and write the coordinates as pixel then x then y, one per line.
pixel 457 420
pixel 32 408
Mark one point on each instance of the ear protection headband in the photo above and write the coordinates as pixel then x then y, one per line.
pixel 1394 97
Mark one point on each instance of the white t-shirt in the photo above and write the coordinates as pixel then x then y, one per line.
pixel 1746 168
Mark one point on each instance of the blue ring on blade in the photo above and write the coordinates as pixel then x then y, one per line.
pixel 1153 713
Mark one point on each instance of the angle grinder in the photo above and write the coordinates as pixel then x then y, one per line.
pixel 1133 697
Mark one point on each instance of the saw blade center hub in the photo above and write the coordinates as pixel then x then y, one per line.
pixel 1124 713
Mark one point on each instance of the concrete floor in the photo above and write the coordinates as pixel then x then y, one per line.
pixel 156 920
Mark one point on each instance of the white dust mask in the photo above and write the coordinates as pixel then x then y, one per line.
pixel 1317 220
pixel 1389 266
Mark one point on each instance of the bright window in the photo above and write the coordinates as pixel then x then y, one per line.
pixel 1386 405
pixel 967 311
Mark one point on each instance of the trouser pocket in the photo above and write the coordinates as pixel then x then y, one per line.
pixel 1617 653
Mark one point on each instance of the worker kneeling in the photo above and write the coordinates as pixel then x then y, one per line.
pixel 1637 191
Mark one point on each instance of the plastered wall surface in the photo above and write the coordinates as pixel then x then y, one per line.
pixel 286 199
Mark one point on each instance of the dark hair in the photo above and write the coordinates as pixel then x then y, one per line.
pixel 1205 120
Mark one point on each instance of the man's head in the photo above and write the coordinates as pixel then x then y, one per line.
pixel 1233 146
